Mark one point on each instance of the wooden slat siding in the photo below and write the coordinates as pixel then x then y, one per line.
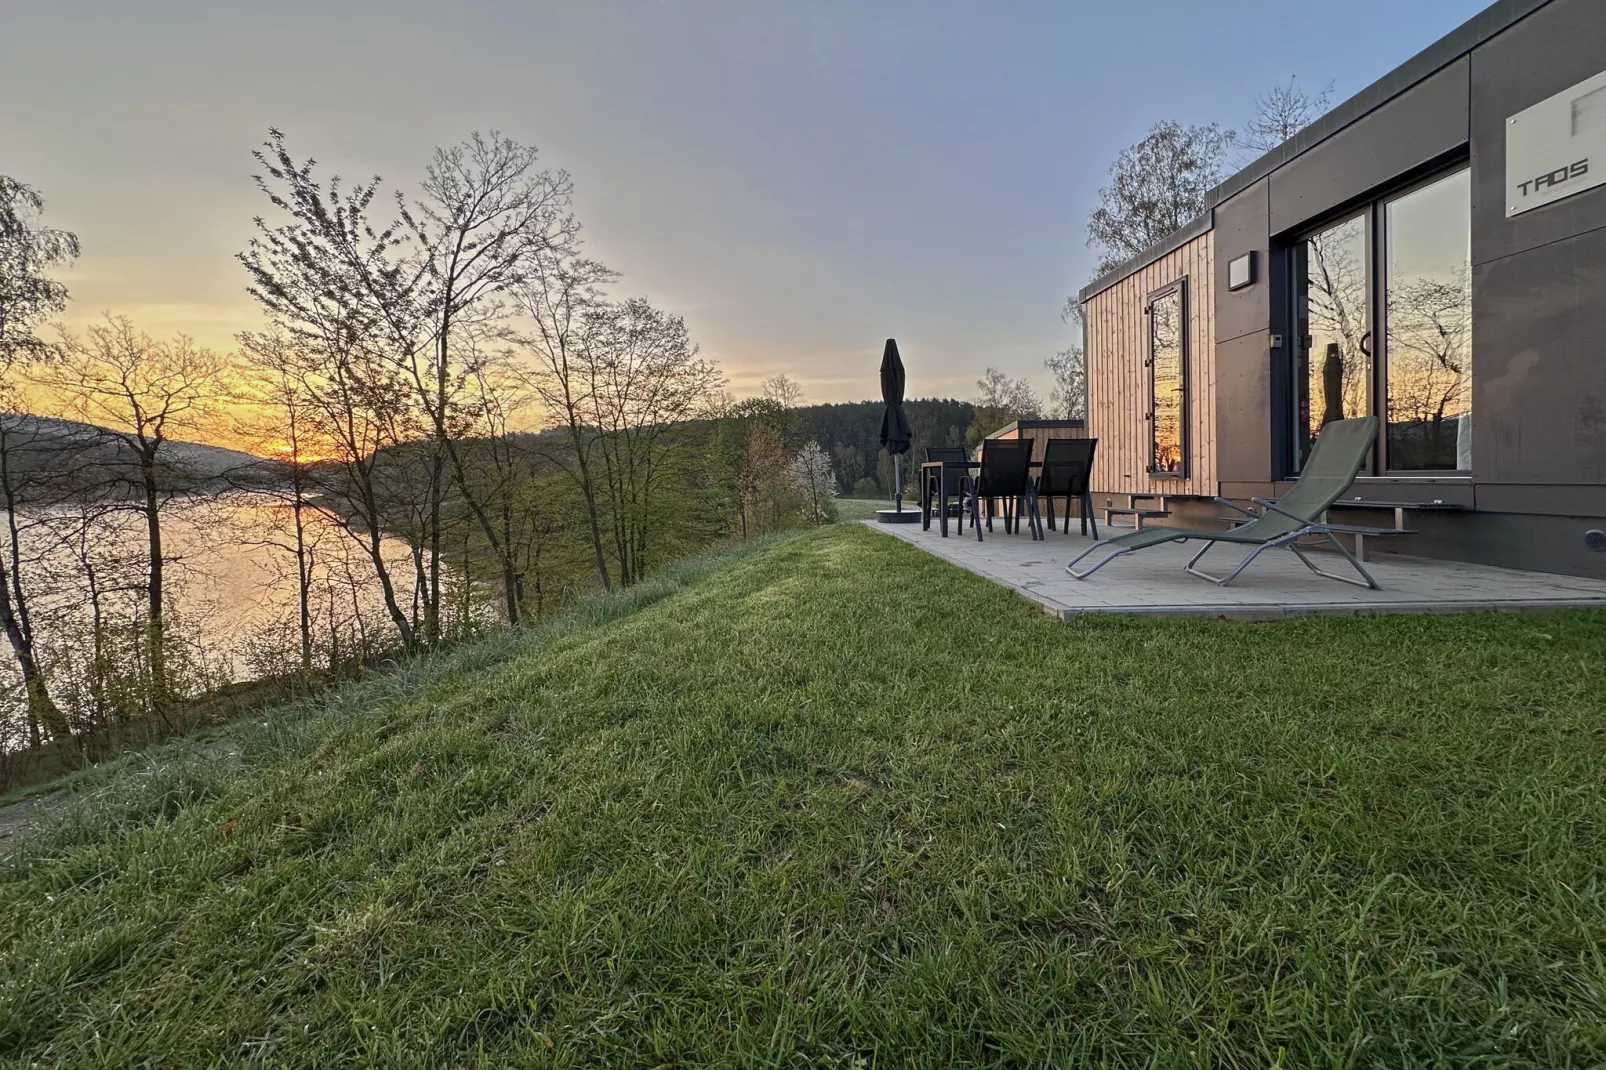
pixel 1118 383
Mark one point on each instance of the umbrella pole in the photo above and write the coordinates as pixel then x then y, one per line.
pixel 897 477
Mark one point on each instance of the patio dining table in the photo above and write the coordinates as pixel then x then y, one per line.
pixel 942 468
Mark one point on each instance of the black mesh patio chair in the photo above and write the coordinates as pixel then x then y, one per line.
pixel 1067 472
pixel 1005 479
pixel 958 480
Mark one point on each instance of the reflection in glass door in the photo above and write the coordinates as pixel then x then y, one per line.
pixel 1428 331
pixel 1168 380
pixel 1333 295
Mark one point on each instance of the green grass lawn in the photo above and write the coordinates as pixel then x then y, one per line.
pixel 827 801
pixel 852 509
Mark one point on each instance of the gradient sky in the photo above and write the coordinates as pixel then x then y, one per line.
pixel 800 180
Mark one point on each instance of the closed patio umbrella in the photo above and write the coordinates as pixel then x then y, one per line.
pixel 894 428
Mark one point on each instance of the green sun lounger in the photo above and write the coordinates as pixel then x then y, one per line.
pixel 1334 461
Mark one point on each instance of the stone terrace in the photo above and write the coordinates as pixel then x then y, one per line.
pixel 1277 585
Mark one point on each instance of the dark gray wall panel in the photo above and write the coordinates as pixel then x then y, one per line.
pixel 1243 412
pixel 1426 122
pixel 1539 364
pixel 1556 47
pixel 1405 489
pixel 1241 228
pixel 1551 499
pixel 1508 540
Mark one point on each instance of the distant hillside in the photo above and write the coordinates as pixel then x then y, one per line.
pixel 50 454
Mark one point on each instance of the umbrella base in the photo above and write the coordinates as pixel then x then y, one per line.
pixel 895 516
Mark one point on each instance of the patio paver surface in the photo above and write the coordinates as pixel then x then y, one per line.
pixel 1277 585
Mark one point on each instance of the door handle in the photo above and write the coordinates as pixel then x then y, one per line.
pixel 1366 345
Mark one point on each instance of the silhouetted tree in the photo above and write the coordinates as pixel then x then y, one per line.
pixel 28 296
pixel 141 392
pixel 334 285
pixel 1067 398
pixel 558 297
pixel 1280 113
pixel 1156 186
pixel 486 221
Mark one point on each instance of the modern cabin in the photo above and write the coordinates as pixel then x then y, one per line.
pixel 1433 251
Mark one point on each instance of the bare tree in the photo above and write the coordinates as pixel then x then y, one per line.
pixel 995 390
pixel 17 440
pixel 558 298
pixel 486 216
pixel 28 296
pixel 1000 399
pixel 811 471
pixel 644 382
pixel 1067 399
pixel 785 392
pixel 28 250
pixel 339 290
pixel 1336 307
pixel 1280 113
pixel 494 467
pixel 90 571
pixel 1156 186
pixel 141 392
pixel 283 430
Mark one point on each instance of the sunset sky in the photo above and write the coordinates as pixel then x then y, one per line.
pixel 800 180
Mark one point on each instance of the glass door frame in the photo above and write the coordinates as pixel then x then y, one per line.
pixel 1298 264
pixel 1380 336
pixel 1375 212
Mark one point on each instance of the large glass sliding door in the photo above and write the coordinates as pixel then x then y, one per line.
pixel 1428 335
pixel 1334 297
pixel 1405 264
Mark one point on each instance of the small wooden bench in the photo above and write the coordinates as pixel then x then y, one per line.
pixel 1399 510
pixel 1138 513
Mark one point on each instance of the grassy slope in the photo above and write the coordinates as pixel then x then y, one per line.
pixel 832 799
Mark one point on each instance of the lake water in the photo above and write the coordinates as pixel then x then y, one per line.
pixel 231 581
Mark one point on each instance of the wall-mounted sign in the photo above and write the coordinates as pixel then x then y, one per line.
pixel 1557 147
pixel 1241 272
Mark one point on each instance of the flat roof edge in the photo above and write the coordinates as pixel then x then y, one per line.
pixel 1200 224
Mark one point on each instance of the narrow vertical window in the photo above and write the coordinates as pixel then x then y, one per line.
pixel 1168 381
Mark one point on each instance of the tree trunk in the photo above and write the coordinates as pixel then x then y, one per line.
pixel 154 593
pixel 374 547
pixel 510 573
pixel 432 603
pixel 589 493
pixel 501 547
pixel 40 705
pixel 42 710
pixel 303 581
